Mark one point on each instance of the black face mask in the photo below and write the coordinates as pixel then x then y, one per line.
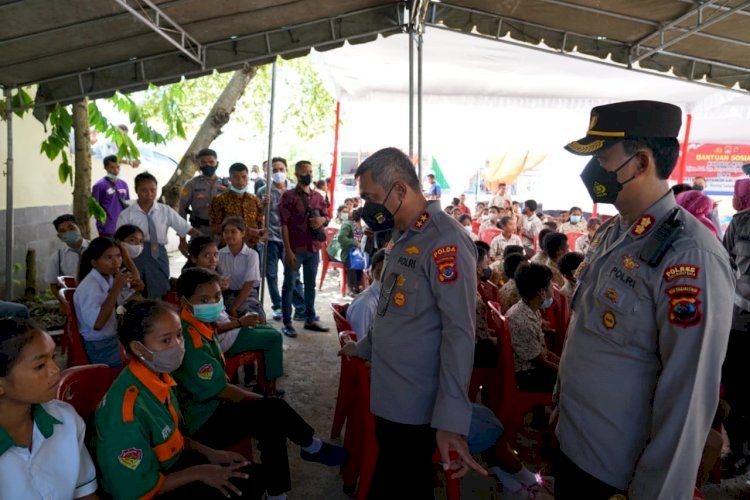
pixel 305 180
pixel 377 216
pixel 698 187
pixel 208 170
pixel 485 274
pixel 602 185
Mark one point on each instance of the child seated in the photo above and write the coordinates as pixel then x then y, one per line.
pixel 211 405
pixel 140 447
pixel 42 454
pixel 246 333
pixel 568 266
pixel 241 264
pixel 102 285
pixel 536 367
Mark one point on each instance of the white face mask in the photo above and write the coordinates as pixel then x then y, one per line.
pixel 133 250
pixel 279 177
pixel 253 175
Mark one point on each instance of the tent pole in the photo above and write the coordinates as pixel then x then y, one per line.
pixel 269 181
pixel 419 105
pixel 411 93
pixel 9 198
pixel 332 186
pixel 683 150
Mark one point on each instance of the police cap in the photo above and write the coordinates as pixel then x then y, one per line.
pixel 623 120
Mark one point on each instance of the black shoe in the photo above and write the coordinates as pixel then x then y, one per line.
pixel 315 327
pixel 328 454
pixel 289 331
pixel 278 393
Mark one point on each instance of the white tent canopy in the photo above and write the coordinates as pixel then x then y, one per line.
pixel 483 99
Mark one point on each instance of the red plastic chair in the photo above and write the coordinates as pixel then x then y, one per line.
pixel 487 235
pixel 513 403
pixel 67 281
pixel 572 238
pixel 475 226
pixel 558 317
pixel 489 291
pixel 72 342
pixel 232 364
pixel 360 437
pixel 85 386
pixel 326 260
pixel 346 392
pixel 339 317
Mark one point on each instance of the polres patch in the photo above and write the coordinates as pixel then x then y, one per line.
pixel 681 271
pixel 684 305
pixel 206 372
pixel 131 458
pixel 445 258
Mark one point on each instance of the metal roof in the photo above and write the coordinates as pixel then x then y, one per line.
pixel 73 48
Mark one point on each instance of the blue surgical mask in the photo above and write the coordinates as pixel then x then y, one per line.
pixel 343 216
pixel 113 177
pixel 71 237
pixel 546 304
pixel 208 313
pixel 238 190
pixel 575 219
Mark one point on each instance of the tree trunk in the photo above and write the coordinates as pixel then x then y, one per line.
pixel 82 172
pixel 209 130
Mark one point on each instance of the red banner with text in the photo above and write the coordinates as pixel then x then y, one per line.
pixel 720 164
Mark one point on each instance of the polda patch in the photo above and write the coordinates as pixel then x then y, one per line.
pixel 684 305
pixel 131 458
pixel 445 258
pixel 681 271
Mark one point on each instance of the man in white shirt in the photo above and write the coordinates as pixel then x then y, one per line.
pixel 507 237
pixel 154 220
pixel 64 262
pixel 501 195
pixel 362 309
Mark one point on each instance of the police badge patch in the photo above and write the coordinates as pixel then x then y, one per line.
pixel 445 258
pixel 684 306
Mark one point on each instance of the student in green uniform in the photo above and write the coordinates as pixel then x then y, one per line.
pixel 42 454
pixel 140 449
pixel 218 413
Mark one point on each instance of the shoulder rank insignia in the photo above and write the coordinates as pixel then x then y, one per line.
pixel 643 226
pixel 421 221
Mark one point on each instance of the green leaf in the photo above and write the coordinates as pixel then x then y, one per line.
pixel 17 267
pixel 65 170
pixel 96 210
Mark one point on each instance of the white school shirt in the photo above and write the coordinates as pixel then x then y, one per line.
pixel 227 339
pixel 164 217
pixel 361 311
pixel 243 267
pixel 88 299
pixel 57 467
pixel 64 262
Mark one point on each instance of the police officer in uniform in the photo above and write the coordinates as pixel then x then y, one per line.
pixel 421 342
pixel 197 193
pixel 638 384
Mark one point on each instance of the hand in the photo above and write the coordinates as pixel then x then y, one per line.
pixel 137 285
pixel 183 247
pixel 225 457
pixel 263 235
pixel 546 326
pixel 121 280
pixel 316 222
pixel 266 199
pixel 249 321
pixel 290 259
pixel 349 350
pixel 232 312
pixel 224 282
pixel 218 477
pixel 447 441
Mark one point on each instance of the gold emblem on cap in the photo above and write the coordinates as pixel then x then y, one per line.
pixel 586 148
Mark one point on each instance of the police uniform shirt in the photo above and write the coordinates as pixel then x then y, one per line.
pixel 638 383
pixel 421 342
pixel 737 243
pixel 164 217
pixel 138 435
pixel 197 194
pixel 243 267
pixel 64 262
pixel 57 466
pixel 201 377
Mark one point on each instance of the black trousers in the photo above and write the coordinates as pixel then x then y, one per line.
pixel 252 487
pixel 404 468
pixel 270 421
pixel 539 379
pixel 573 483
pixel 734 377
